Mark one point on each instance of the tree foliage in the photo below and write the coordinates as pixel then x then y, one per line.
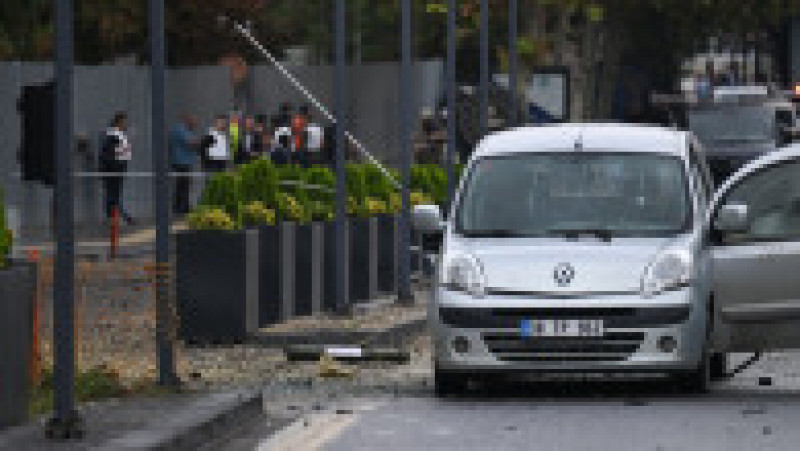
pixel 106 29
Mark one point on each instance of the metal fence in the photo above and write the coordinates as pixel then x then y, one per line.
pixel 100 91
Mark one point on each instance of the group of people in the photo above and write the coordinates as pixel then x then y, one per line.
pixel 290 137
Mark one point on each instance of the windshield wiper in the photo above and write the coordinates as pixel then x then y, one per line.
pixel 492 233
pixel 741 139
pixel 603 234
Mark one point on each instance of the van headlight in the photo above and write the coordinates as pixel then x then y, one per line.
pixel 463 273
pixel 671 270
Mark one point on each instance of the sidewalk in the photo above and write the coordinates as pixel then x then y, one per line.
pixel 182 421
pixel 99 242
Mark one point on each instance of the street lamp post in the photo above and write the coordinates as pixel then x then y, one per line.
pixel 513 119
pixel 484 68
pixel 342 304
pixel 451 99
pixel 166 361
pixel 404 294
pixel 65 423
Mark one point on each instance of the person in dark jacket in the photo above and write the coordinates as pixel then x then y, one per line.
pixel 251 142
pixel 115 154
pixel 282 152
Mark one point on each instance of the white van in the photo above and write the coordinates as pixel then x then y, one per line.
pixel 593 249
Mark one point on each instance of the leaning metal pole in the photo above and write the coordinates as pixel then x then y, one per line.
pixel 342 304
pixel 65 423
pixel 484 68
pixel 164 324
pixel 404 294
pixel 513 117
pixel 451 99
pixel 245 32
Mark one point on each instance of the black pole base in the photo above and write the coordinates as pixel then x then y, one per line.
pixel 61 429
pixel 171 381
pixel 343 311
pixel 406 299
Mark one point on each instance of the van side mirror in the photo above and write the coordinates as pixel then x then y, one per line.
pixel 733 218
pixel 427 219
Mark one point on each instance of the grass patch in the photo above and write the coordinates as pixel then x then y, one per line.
pixel 92 385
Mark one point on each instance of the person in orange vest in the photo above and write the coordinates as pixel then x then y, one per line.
pixel 299 124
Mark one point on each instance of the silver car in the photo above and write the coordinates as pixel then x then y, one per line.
pixel 597 249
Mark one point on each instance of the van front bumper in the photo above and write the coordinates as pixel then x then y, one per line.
pixel 633 326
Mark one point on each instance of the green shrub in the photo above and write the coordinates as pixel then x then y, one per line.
pixel 210 218
pixel 259 182
pixel 257 214
pixel 356 181
pixel 223 191
pixel 6 238
pixel 395 203
pixel 431 180
pixel 320 211
pixel 419 198
pixel 375 207
pixel 378 186
pixel 291 209
pixel 322 189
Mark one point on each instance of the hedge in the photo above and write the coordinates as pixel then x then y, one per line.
pixel 298 194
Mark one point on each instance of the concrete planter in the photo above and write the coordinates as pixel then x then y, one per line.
pixel 217 285
pixel 388 237
pixel 17 291
pixel 363 259
pixel 270 275
pixel 329 266
pixel 308 254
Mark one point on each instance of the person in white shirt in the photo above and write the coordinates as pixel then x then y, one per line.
pixel 282 144
pixel 216 151
pixel 115 153
pixel 314 141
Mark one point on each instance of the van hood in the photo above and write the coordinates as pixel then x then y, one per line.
pixel 545 266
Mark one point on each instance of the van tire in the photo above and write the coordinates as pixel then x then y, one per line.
pixel 718 366
pixel 448 383
pixel 698 380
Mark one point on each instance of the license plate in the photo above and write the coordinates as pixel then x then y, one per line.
pixel 562 328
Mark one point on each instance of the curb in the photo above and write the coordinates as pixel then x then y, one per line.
pixel 195 428
pixel 390 336
pixel 312 353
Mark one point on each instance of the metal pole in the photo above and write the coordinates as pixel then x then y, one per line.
pixel 166 363
pixel 342 303
pixel 247 34
pixel 451 99
pixel 404 294
pixel 484 69
pixel 65 423
pixel 513 11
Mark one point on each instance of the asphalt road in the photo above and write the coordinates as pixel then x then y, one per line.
pixel 738 414
pixel 716 422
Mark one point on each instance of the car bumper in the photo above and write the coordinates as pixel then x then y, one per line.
pixel 630 343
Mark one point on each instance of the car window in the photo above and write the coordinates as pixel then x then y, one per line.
pixel 773 199
pixel 534 194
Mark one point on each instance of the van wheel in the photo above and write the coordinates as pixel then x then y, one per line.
pixel 448 383
pixel 698 380
pixel 718 365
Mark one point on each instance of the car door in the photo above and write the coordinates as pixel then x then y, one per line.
pixel 756 271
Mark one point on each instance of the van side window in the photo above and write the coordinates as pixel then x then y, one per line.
pixel 773 199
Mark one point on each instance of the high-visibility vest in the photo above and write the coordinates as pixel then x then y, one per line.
pixel 298 129
pixel 233 132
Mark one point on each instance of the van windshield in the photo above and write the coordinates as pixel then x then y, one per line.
pixel 573 193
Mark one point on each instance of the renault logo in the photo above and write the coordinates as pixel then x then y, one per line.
pixel 563 274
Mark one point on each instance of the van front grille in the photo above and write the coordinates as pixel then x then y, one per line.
pixel 613 347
